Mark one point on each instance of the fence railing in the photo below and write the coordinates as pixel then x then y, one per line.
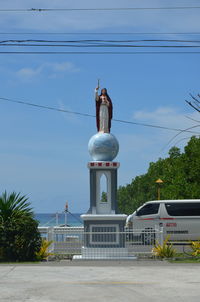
pixel 71 241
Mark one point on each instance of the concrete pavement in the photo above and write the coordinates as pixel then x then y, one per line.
pixel 100 281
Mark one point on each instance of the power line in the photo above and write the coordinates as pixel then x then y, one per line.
pixel 44 107
pixel 100 33
pixel 182 139
pixel 98 41
pixel 100 45
pixel 97 52
pixel 97 9
pixel 182 131
pixel 192 119
pixel 95 40
pixel 90 115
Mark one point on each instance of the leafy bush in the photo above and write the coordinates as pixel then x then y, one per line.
pixel 19 235
pixel 195 245
pixel 165 250
pixel 43 253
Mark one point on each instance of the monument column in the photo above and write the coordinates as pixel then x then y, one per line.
pixel 103 226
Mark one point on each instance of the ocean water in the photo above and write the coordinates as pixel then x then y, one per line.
pixel 53 219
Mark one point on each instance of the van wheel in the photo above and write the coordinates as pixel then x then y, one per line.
pixel 148 236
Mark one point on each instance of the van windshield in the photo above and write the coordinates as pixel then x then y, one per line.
pixel 183 209
pixel 148 209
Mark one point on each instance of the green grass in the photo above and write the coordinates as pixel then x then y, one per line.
pixel 19 262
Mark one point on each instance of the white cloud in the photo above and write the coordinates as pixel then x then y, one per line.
pixel 51 69
pixel 167 116
pixel 67 116
pixel 29 72
pixel 145 144
pixel 63 67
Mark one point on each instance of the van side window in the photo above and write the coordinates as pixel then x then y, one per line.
pixel 183 209
pixel 149 209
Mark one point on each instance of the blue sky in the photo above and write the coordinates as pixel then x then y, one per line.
pixel 43 153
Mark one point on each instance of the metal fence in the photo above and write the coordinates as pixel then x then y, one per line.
pixel 70 241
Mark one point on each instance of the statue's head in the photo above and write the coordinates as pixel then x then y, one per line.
pixel 104 91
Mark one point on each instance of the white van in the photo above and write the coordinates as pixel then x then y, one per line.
pixel 179 218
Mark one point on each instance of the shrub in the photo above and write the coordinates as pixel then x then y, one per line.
pixel 165 250
pixel 43 253
pixel 195 246
pixel 19 235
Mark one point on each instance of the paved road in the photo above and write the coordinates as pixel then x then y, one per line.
pixel 100 282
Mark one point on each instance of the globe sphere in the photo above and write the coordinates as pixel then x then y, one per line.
pixel 103 147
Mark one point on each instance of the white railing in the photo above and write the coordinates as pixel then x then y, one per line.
pixel 71 241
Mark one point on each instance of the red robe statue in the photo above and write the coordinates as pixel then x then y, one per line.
pixel 98 104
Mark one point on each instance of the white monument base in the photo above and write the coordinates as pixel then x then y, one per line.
pixel 90 254
pixel 104 238
pixel 104 254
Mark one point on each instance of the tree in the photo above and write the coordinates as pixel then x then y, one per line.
pixel 19 235
pixel 104 197
pixel 174 152
pixel 179 171
pixel 192 167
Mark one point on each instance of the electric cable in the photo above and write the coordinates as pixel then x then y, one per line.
pixel 103 45
pixel 97 52
pixel 97 9
pixel 184 138
pixel 98 40
pixel 90 115
pixel 99 33
pixel 189 128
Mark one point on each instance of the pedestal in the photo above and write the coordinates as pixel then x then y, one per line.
pixel 104 237
pixel 104 228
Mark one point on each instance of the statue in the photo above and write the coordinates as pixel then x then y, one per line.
pixel 103 110
pixel 103 146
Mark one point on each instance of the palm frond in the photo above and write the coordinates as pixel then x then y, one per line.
pixel 14 205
